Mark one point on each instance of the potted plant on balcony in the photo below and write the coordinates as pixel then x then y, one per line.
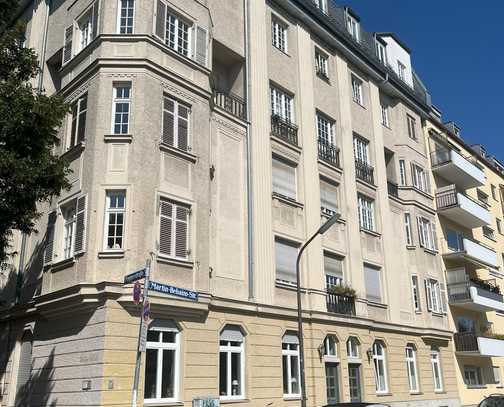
pixel 343 290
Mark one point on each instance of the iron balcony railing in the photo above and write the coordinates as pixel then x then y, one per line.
pixel 459 292
pixel 340 304
pixel 393 189
pixel 466 342
pixel 328 152
pixel 449 198
pixel 364 172
pixel 284 130
pixel 231 103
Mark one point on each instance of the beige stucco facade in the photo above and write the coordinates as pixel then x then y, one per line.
pixel 78 316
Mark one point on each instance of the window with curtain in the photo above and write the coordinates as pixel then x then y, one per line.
pixel 115 213
pixel 284 179
pixel 285 260
pixel 231 363
pixel 328 198
pixel 333 269
pixel 372 280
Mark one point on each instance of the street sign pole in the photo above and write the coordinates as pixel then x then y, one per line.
pixel 143 326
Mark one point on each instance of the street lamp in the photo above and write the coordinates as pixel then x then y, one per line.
pixel 324 228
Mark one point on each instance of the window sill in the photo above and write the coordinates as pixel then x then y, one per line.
pixel 62 264
pixel 287 200
pixel 162 403
pixel 323 77
pixel 112 138
pixel 279 50
pixel 291 398
pixel 477 386
pixel 384 394
pixel 174 262
pixel 389 128
pixel 424 193
pixel 377 304
pixel 111 254
pixel 359 104
pixel 370 232
pixel 224 400
pixel 410 247
pixel 430 251
pixel 186 155
pixel 293 147
pixel 416 393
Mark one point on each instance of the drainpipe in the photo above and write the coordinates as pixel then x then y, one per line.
pixel 250 214
pixel 40 84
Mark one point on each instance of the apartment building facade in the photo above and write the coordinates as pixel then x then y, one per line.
pixel 468 199
pixel 214 137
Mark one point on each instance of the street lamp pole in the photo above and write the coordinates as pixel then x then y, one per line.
pixel 324 228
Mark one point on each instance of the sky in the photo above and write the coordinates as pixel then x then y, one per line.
pixel 458 51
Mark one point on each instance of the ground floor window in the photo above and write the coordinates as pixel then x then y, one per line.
pixel 436 370
pixel 290 365
pixel 354 382
pixel 332 383
pixel 231 363
pixel 472 376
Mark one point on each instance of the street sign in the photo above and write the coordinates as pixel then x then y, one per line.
pixel 146 311
pixel 137 275
pixel 137 292
pixel 171 290
pixel 142 342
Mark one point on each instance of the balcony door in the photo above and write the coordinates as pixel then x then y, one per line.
pixel 354 382
pixel 332 383
pixel 465 325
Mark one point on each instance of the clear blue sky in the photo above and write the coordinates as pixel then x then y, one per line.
pixel 458 51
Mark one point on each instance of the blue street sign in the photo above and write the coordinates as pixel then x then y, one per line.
pixel 137 275
pixel 169 289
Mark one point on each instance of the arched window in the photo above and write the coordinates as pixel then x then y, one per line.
pixel 380 367
pixel 411 366
pixel 290 364
pixel 330 346
pixel 352 347
pixel 331 363
pixel 162 362
pixel 231 363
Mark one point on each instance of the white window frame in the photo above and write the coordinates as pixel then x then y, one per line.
pixel 229 349
pixel 436 367
pixel 291 167
pixel 321 63
pixel 411 365
pixel 420 178
pixel 77 116
pixel 381 52
pixel 282 104
pixel 427 234
pixel 69 212
pixel 325 128
pixel 476 380
pixel 109 211
pixel 380 363
pixel 119 16
pixel 366 213
pixel 174 220
pixel 353 27
pixel 434 295
pixel 328 211
pixel 176 119
pixel 361 150
pixel 294 245
pixel 160 346
pixel 178 43
pixel 411 122
pixel 290 353
pixel 321 4
pixel 408 229
pixel 401 71
pixel 352 346
pixel 279 37
pixel 84 24
pixel 385 119
pixel 357 92
pixel 415 293
pixel 331 346
pixel 117 100
pixel 497 376
pixel 402 172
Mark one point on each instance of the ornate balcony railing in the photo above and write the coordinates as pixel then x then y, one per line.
pixel 340 304
pixel 393 189
pixel 364 172
pixel 328 152
pixel 284 130
pixel 231 103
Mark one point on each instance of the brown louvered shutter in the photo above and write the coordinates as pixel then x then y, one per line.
pixel 80 225
pixel 67 44
pixel 95 20
pixel 165 227
pixel 183 127
pixel 168 122
pixel 81 131
pixel 49 242
pixel 160 20
pixel 181 229
pixel 201 49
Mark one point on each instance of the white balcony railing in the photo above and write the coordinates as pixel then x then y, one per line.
pixel 455 168
pixel 461 209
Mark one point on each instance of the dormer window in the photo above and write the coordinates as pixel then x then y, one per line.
pixel 381 52
pixel 401 70
pixel 353 27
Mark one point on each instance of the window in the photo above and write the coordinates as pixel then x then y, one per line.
pixel 357 91
pixel 401 71
pixel 372 282
pixel 411 127
pixel 321 4
pixel 174 229
pixel 494 192
pixel 73 230
pixel 482 197
pixel 436 296
pixel 68 213
pixel 402 172
pixel 68 44
pixel 328 198
pixel 385 115
pixel 176 121
pixel 24 367
pixel 454 240
pixel 325 129
pixel 353 27
pixel 420 178
pixel 177 34
pixel 162 362
pixel 499 225
pixel 361 150
pixel 87 26
pixel 78 121
pixel 415 292
pixel 380 368
pixel 321 64
pixel 121 109
pixel 284 179
pixel 407 227
pixel 290 365
pixel 366 213
pixel 488 233
pixel 427 233
pixel 353 347
pixel 285 260
pixel 115 214
pixel 330 346
pixel 333 269
pixel 279 34
pixel 381 52
pixel 331 368
pixel 436 370
pixel 472 376
pixel 497 376
pixel 125 16
pixel 231 363
pixel 281 105
pixel 411 366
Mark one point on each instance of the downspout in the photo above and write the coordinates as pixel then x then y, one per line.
pixel 40 84
pixel 250 213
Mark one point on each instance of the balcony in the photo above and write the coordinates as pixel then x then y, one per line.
pixel 364 172
pixel 340 304
pixel 393 189
pixel 461 209
pixel 470 344
pixel 328 152
pixel 463 248
pixel 476 295
pixel 284 130
pixel 454 168
pixel 231 103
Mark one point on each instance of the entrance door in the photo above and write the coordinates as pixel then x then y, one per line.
pixel 354 382
pixel 332 383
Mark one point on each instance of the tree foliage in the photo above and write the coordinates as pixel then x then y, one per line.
pixel 30 172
